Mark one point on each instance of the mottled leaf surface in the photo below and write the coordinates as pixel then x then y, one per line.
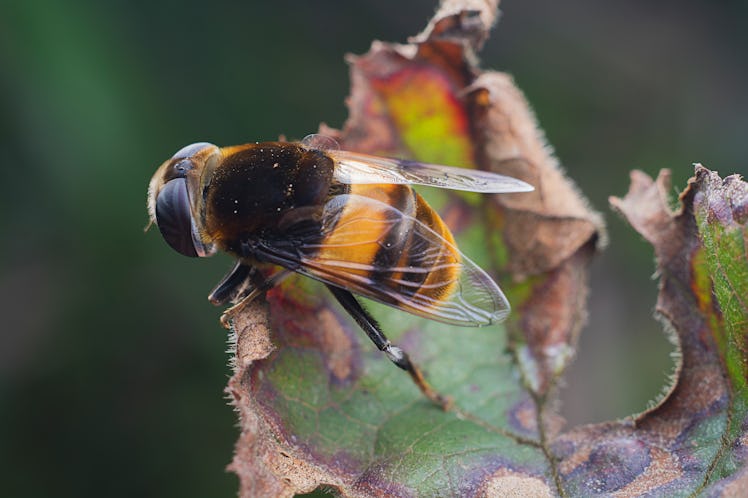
pixel 318 406
pixel 693 440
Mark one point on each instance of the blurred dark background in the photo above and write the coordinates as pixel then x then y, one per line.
pixel 112 362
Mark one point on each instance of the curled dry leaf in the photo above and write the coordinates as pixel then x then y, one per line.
pixel 694 440
pixel 323 408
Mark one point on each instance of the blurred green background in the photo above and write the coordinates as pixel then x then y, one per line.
pixel 112 362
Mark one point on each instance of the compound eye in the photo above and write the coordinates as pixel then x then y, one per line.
pixel 174 217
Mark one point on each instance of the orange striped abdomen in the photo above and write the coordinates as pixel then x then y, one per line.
pixel 442 260
pixel 400 247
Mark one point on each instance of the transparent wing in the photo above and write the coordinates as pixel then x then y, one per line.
pixel 320 142
pixel 355 168
pixel 425 275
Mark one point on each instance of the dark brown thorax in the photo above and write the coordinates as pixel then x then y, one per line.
pixel 257 185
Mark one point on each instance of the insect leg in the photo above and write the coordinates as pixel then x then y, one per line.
pixel 259 286
pixel 236 282
pixel 394 353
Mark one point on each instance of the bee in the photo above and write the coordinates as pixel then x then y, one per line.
pixel 352 221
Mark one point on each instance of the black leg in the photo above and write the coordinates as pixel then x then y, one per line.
pixel 253 286
pixel 233 285
pixel 394 353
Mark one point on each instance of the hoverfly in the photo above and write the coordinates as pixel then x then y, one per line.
pixel 349 220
